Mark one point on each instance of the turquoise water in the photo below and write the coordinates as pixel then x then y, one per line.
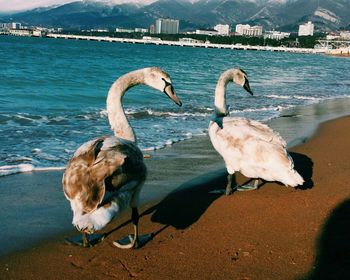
pixel 53 93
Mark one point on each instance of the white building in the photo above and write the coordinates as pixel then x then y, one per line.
pixel 141 30
pixel 345 35
pixel 247 30
pixel 306 29
pixel 241 27
pixel 15 25
pixel 124 30
pixel 276 35
pixel 20 32
pixel 167 26
pixel 222 29
pixel 206 32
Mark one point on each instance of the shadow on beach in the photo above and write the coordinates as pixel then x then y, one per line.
pixel 304 166
pixel 333 252
pixel 183 207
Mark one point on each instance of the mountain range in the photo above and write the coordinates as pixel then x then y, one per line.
pixel 284 15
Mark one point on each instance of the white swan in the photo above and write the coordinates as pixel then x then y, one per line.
pixel 105 175
pixel 248 146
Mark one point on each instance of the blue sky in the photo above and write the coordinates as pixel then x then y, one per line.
pixel 20 5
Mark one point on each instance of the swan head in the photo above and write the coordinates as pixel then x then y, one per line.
pixel 159 79
pixel 240 77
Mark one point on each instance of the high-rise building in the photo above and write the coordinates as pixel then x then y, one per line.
pixel 241 27
pixel 306 29
pixel 16 25
pixel 222 29
pixel 167 26
pixel 151 29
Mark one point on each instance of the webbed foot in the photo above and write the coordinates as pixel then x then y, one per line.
pixel 129 242
pixel 85 240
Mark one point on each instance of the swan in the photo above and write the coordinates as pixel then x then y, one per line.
pixel 248 146
pixel 105 175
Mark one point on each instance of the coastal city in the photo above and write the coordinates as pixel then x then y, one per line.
pixel 332 43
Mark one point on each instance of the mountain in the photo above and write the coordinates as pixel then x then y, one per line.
pixel 283 15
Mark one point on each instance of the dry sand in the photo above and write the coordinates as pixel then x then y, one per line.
pixel 271 233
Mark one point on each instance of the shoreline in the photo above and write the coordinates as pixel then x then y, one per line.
pixel 156 41
pixel 272 233
pixel 193 159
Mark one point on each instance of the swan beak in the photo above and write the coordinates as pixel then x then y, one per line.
pixel 169 91
pixel 247 87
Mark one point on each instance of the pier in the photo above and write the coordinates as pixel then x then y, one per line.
pixel 154 41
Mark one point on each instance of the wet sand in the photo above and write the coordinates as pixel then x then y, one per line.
pixel 271 233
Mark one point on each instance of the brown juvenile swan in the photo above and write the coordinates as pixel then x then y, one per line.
pixel 248 146
pixel 105 175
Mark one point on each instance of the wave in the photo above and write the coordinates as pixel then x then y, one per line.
pixel 275 96
pixel 170 142
pixel 149 112
pixel 269 108
pixel 24 168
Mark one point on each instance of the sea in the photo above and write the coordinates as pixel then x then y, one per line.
pixel 53 93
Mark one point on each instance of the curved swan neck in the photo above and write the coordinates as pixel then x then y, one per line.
pixel 220 93
pixel 116 115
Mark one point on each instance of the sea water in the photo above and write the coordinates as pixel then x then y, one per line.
pixel 53 93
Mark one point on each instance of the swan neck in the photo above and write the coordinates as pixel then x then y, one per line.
pixel 220 94
pixel 116 114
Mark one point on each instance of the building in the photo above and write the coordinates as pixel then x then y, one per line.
pixel 152 29
pixel 190 41
pixel 241 27
pixel 20 32
pixel 15 25
pixel 167 26
pixel 247 30
pixel 306 29
pixel 124 30
pixel 276 35
pixel 222 29
pixel 345 35
pixel 206 32
pixel 141 30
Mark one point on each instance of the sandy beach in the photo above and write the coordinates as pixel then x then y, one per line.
pixel 271 233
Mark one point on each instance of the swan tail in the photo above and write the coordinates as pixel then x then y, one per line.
pixel 293 179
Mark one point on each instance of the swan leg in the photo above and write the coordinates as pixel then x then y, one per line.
pixel 133 241
pixel 130 241
pixel 135 221
pixel 85 240
pixel 231 180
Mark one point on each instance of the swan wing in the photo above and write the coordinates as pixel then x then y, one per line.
pixel 86 172
pixel 243 128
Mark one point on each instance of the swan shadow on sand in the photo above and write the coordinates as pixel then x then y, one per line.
pixel 185 205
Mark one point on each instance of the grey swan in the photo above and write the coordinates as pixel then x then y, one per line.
pixel 105 175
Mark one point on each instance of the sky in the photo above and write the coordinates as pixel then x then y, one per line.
pixel 20 5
